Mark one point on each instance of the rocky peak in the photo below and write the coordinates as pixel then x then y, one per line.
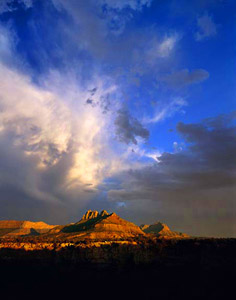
pixel 92 214
pixel 103 213
pixel 156 227
pixel 162 231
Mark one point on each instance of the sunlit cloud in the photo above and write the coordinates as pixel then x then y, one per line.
pixel 45 126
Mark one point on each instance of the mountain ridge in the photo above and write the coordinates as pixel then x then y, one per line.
pixel 93 225
pixel 98 226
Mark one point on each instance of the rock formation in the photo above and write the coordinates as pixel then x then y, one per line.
pixel 92 214
pixel 93 226
pixel 162 231
pixel 99 226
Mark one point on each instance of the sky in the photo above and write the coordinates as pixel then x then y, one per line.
pixel 123 105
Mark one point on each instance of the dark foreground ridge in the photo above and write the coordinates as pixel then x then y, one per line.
pixel 105 256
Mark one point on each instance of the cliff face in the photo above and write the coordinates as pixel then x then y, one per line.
pixel 162 231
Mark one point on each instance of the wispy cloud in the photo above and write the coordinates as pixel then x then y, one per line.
pixel 167 110
pixel 10 5
pixel 185 77
pixel 167 45
pixel 121 4
pixel 161 48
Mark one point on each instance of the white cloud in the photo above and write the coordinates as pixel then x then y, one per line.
pixel 206 27
pixel 45 126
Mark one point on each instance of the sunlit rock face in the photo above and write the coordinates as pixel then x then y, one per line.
pixel 162 231
pixel 19 228
pixel 93 226
pixel 100 226
pixel 103 213
pixel 90 215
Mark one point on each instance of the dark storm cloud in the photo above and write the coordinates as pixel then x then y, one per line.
pixel 191 186
pixel 208 162
pixel 185 77
pixel 28 192
pixel 129 128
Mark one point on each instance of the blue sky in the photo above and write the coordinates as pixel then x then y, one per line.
pixel 98 98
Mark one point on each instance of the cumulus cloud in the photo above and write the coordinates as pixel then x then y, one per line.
pixel 56 146
pixel 129 128
pixel 185 77
pixel 206 27
pixel 53 146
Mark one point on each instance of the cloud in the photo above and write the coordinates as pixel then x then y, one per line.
pixel 54 136
pixel 206 27
pixel 197 182
pixel 185 77
pixel 164 111
pixel 161 48
pixel 121 4
pixel 7 45
pixel 104 17
pixel 56 148
pixel 208 162
pixel 129 128
pixel 167 45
